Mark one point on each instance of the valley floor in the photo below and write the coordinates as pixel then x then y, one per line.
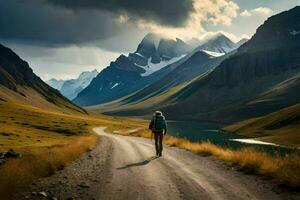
pixel 123 167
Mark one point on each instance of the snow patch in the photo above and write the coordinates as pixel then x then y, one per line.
pixel 252 141
pixel 151 67
pixel 140 55
pixel 115 85
pixel 214 54
pixel 140 65
pixel 294 32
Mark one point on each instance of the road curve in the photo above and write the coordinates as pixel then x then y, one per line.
pixel 134 173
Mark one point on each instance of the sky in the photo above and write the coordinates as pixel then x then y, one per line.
pixel 60 39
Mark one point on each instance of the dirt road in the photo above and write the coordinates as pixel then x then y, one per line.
pixel 124 167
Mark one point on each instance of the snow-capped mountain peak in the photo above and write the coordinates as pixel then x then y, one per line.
pixel 154 53
pixel 220 44
pixel 72 87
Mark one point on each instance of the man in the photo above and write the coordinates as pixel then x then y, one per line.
pixel 158 126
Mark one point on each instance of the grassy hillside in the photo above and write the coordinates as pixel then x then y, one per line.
pixel 18 83
pixel 37 122
pixel 281 127
pixel 143 107
pixel 48 140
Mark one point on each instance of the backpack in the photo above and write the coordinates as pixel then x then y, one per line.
pixel 159 123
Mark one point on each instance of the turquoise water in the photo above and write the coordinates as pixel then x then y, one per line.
pixel 206 131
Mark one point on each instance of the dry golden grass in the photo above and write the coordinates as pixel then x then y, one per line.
pixel 285 170
pixel 51 140
pixel 17 174
pixel 48 140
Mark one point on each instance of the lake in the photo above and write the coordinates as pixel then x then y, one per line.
pixel 206 131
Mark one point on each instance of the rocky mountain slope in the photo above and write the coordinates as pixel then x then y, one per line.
pixel 19 84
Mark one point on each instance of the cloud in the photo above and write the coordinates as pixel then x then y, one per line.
pixel 216 12
pixel 62 37
pixel 35 22
pixel 261 11
pixel 166 12
pixel 246 13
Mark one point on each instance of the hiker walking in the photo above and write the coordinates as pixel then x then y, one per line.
pixel 158 126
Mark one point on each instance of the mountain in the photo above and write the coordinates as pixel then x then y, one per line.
pixel 19 84
pixel 263 76
pixel 56 84
pixel 155 56
pixel 142 102
pixel 71 88
pixel 220 44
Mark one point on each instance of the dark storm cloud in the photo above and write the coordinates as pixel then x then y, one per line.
pixel 35 21
pixel 165 12
pixel 81 22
